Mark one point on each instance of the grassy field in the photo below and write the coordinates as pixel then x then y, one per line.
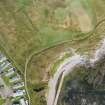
pixel 2 101
pixel 28 26
pixel 24 29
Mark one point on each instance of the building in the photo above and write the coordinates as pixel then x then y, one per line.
pixel 27 102
pixel 2 57
pixel 23 102
pixel 5 64
pixel 14 79
pixel 1 66
pixel 10 72
pixel 18 93
pixel 18 85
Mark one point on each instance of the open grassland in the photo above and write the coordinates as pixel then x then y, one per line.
pixel 41 63
pixel 85 45
pixel 2 101
pixel 25 28
pixel 28 26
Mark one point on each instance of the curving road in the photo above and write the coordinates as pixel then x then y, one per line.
pixel 41 51
pixel 65 68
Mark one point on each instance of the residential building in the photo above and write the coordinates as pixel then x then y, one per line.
pixel 14 79
pixel 5 64
pixel 10 72
pixel 23 102
pixel 18 85
pixel 2 57
pixel 18 93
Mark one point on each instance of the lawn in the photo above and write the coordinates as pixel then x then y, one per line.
pixel 2 101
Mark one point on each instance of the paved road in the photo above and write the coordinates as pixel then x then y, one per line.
pixel 5 92
pixel 66 68
pixel 7 102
